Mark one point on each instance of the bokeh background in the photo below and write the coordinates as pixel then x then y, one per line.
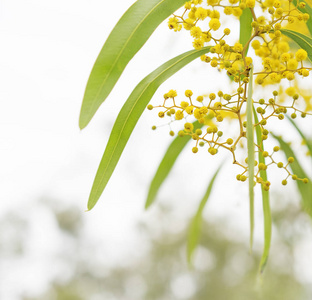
pixel 50 248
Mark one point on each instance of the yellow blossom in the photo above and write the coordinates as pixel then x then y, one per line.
pixel 214 24
pixel 301 55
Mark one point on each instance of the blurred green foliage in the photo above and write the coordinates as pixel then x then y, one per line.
pixel 223 269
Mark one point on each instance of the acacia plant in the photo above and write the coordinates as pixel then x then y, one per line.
pixel 273 49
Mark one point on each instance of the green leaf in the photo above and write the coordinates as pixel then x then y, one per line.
pixel 305 189
pixel 245 28
pixel 307 10
pixel 305 139
pixel 129 116
pixel 126 39
pixel 196 223
pixel 251 154
pixel 166 164
pixel 265 202
pixel 302 40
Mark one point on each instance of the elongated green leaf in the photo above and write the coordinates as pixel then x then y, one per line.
pixel 130 114
pixel 302 40
pixel 126 39
pixel 265 203
pixel 307 10
pixel 307 141
pixel 251 154
pixel 305 189
pixel 245 27
pixel 196 223
pixel 166 164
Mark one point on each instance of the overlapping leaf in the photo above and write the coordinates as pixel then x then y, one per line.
pixel 126 39
pixel 130 114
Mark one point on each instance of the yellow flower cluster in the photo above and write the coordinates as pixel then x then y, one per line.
pixel 213 111
pixel 278 62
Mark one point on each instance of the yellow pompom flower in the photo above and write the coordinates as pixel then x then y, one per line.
pixel 214 24
pixel 248 61
pixel 217 105
pixel 260 79
pixel 273 76
pixel 201 13
pixel 255 44
pixel 285 57
pixel 188 24
pixel 218 49
pixel 238 47
pixel 200 98
pixel 261 20
pixel 172 93
pixel 161 114
pixel 214 14
pixel 237 12
pixel 214 63
pixel 188 126
pixel 305 72
pixel 173 23
pixel 191 15
pixel 206 37
pixel 197 113
pixel 179 115
pixel 301 55
pixel 290 76
pixel 184 104
pixel 203 110
pixel 250 3
pixel 292 64
pixel 267 62
pixel 277 4
pixel 228 10
pixel 291 91
pixel 188 93
pixel 188 5
pixel 198 43
pixel 196 32
pixel 189 110
pixel 306 17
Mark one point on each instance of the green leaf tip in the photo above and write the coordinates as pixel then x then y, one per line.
pixel 165 166
pixel 128 36
pixel 196 223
